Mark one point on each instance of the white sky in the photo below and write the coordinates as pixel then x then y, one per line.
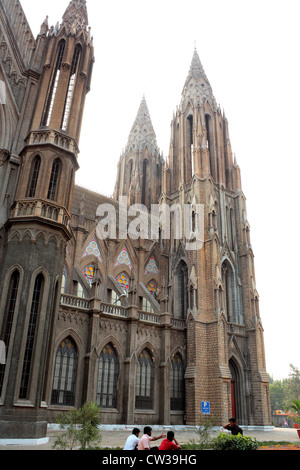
pixel 250 52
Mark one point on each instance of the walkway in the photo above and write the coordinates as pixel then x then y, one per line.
pixel 117 438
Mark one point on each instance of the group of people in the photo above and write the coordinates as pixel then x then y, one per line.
pixel 134 443
pixel 169 442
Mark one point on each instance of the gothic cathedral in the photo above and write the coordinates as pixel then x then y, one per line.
pixel 143 325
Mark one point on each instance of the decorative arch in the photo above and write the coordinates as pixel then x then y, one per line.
pixel 123 259
pixel 92 249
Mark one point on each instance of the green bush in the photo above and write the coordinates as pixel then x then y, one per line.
pixel 230 442
pixel 79 428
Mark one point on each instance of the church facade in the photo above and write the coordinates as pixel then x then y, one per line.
pixel 150 326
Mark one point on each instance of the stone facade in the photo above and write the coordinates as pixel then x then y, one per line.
pixel 147 326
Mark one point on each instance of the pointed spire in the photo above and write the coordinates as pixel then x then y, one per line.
pixel 75 18
pixel 142 132
pixel 44 26
pixel 197 87
pixel 196 69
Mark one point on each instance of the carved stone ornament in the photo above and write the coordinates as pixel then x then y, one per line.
pixel 4 156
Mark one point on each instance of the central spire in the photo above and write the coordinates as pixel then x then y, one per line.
pixel 142 133
pixel 197 87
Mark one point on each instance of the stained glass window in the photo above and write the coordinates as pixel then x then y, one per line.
pixel 108 369
pixel 32 328
pixel 88 273
pixel 123 281
pixel 152 288
pixel 144 381
pixel 151 267
pixel 63 391
pixel 9 317
pixel 177 387
pixel 123 258
pixel 92 249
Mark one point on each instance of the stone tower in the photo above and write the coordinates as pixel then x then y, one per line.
pixel 214 286
pixel 140 165
pixel 37 229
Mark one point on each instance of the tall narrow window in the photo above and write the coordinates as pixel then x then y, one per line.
pixel 191 141
pixel 34 176
pixel 208 125
pixel 65 372
pixel 181 291
pixel 33 320
pixel 108 369
pixel 177 386
pixel 54 83
pixel 68 101
pixel 145 188
pixel 144 381
pixel 8 318
pixel 54 180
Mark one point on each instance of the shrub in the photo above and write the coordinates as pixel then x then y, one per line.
pixel 79 428
pixel 230 442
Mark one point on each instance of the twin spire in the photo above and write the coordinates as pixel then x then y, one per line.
pixel 196 87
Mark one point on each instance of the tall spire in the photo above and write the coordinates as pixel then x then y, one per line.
pixel 142 132
pixel 75 18
pixel 197 87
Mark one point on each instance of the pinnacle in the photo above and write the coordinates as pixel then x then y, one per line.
pixel 76 12
pixel 196 69
pixel 142 131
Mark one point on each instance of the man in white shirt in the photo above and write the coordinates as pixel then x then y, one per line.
pixel 132 440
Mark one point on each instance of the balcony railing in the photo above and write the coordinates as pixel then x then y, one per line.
pixel 113 309
pixel 49 136
pixel 77 302
pixel 149 317
pixel 40 208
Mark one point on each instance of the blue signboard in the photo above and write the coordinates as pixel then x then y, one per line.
pixel 205 407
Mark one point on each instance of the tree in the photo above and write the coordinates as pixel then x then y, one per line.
pixel 79 428
pixel 295 406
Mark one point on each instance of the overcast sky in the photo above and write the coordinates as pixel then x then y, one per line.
pixel 250 53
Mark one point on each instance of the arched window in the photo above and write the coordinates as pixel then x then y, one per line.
pixel 208 131
pixel 123 282
pixel 146 306
pixel 146 182
pixel 108 370
pixel 190 143
pixel 54 83
pixel 227 279
pixel 72 79
pixel 9 317
pixel 181 291
pixel 144 381
pixel 34 176
pixel 177 385
pixel 64 281
pixel 32 328
pixel 65 372
pixel 54 180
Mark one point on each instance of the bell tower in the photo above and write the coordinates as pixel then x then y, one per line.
pixel 37 229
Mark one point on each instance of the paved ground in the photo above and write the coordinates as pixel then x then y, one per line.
pixel 117 438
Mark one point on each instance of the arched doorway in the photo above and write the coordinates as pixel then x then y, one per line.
pixel 236 394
